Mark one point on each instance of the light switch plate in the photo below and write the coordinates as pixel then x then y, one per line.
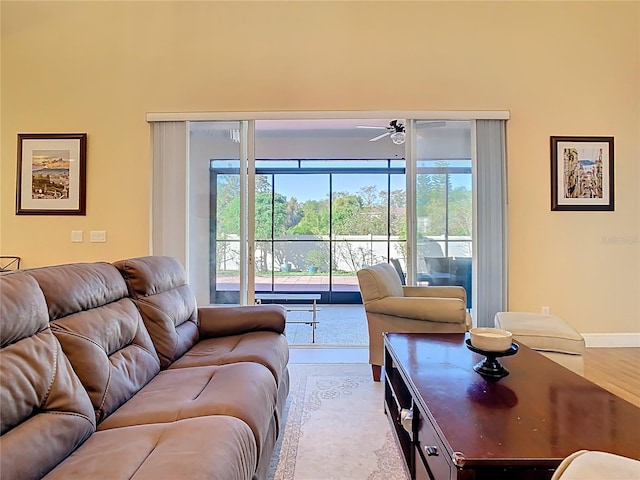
pixel 98 236
pixel 76 236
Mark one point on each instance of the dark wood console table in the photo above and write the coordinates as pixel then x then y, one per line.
pixel 457 425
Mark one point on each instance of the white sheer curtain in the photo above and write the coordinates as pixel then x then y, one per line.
pixel 490 221
pixel 170 190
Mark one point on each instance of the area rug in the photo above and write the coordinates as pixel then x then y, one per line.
pixel 335 427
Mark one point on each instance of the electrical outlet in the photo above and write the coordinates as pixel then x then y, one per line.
pixel 545 310
pixel 98 236
pixel 76 236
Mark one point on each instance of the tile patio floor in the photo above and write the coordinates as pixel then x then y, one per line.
pixel 340 326
pixel 294 283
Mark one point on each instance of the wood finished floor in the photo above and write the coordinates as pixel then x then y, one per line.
pixel 616 370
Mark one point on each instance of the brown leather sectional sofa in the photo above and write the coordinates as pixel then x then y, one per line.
pixel 111 371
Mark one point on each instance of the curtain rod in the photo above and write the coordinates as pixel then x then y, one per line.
pixel 329 115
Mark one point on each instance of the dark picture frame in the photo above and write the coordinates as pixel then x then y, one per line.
pixel 582 174
pixel 51 178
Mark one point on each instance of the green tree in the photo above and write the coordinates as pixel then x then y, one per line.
pixel 270 217
pixel 398 215
pixel 431 202
pixel 360 214
pixel 374 214
pixel 263 184
pixel 314 219
pixel 370 197
pixel 460 212
pixel 228 206
pixel 227 225
pixel 293 213
pixel 346 210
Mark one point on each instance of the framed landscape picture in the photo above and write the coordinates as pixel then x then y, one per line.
pixel 51 176
pixel 582 173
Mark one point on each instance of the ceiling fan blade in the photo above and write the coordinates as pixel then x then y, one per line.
pixel 435 123
pixel 380 136
pixel 371 126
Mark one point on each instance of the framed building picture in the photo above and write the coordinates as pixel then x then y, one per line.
pixel 582 173
pixel 51 177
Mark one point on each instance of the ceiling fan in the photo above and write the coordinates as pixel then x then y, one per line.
pixel 395 129
pixel 397 132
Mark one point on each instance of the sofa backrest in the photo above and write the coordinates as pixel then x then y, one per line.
pixel 158 286
pixel 45 412
pixel 100 330
pixel 379 281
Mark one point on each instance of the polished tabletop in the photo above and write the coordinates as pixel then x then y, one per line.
pixel 540 412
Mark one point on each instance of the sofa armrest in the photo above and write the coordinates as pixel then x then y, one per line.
pixel 445 291
pixel 220 321
pixel 432 309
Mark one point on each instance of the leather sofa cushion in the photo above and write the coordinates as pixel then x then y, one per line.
pixel 77 287
pixel 205 448
pixel 151 275
pixel 100 330
pixel 167 304
pixel 246 391
pixel 266 348
pixel 44 408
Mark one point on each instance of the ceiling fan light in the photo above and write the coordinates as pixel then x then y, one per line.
pixel 398 138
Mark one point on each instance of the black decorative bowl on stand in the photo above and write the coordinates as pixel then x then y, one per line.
pixel 490 367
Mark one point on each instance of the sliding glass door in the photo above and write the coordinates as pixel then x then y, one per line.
pixel 218 211
pixel 311 205
pixel 443 204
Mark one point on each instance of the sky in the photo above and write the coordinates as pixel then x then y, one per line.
pixel 316 186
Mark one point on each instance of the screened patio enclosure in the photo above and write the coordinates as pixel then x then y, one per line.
pixel 316 223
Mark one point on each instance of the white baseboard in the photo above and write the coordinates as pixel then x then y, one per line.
pixel 612 339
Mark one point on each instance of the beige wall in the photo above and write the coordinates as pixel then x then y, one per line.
pixel 560 69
